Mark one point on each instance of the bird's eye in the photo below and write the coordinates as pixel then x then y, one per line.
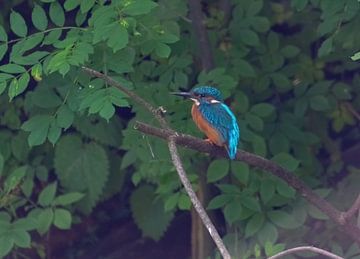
pixel 202 95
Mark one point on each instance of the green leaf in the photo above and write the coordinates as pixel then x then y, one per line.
pixel 319 103
pixel 254 121
pixel 254 7
pixel 245 68
pixel 47 195
pixel 259 145
pixel 217 170
pixel 301 106
pixel 315 213
pixel 3 49
pixel 107 111
pixel 12 68
pixel 148 212
pixel 251 203
pixel 241 171
pixel 232 212
pixel 44 219
pixel 171 202
pixel 52 37
pixel 162 50
pixel 219 201
pixel 287 161
pixel 39 18
pixel 139 7
pixel 14 179
pixel 184 202
pixel 18 86
pixel 279 143
pixel 72 4
pixel 283 219
pixel 86 5
pixel 342 91
pixel 54 133
pixel 249 37
pixel 260 24
pixel 273 41
pixel 326 47
pixel 21 238
pixel 281 82
pixel 118 38
pixel 267 190
pixel 82 168
pixel 354 57
pixel 17 24
pixel 3 35
pixel 263 109
pixel 62 218
pixel 268 233
pixel 56 13
pixel 254 224
pixel 284 189
pixel 6 245
pixel 65 117
pixel 299 5
pixel 68 198
pixel 38 125
pixel 3 86
pixel 290 51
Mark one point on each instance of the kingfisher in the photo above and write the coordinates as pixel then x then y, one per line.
pixel 213 117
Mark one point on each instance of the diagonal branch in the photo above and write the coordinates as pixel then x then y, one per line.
pixel 306 249
pixel 175 156
pixel 345 216
pixel 194 200
pixel 261 163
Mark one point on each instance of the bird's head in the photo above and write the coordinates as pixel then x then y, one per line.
pixel 202 95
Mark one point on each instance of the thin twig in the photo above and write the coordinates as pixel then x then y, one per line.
pixel 306 249
pixel 174 154
pixel 352 110
pixel 194 199
pixel 130 93
pixel 345 216
pixel 261 163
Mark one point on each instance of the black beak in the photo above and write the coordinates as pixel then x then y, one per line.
pixel 183 94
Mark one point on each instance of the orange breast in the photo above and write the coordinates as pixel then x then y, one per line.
pixel 205 127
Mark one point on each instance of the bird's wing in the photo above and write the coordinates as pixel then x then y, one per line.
pixel 221 117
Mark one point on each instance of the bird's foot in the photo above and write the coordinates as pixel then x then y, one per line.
pixel 209 141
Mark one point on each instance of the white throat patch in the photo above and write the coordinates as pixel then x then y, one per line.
pixel 197 103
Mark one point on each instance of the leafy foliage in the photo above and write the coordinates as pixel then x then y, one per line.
pixel 287 69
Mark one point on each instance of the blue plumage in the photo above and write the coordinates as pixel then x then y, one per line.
pixel 214 117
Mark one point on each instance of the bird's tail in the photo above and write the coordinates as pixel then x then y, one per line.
pixel 231 151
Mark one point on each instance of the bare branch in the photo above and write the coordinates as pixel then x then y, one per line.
pixel 176 159
pixel 306 249
pixel 345 216
pixel 194 200
pixel 261 163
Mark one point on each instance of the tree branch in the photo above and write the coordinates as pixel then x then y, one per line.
pixel 306 249
pixel 345 216
pixel 194 200
pixel 175 156
pixel 262 163
pixel 155 111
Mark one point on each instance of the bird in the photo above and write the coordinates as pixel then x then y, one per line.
pixel 213 117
